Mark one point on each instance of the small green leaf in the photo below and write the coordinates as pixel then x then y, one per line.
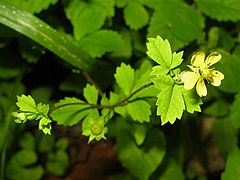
pixel 91 94
pixel 233 165
pixel 226 10
pixel 125 78
pixel 176 59
pixel 160 51
pixel 121 3
pixel 135 15
pixel 139 132
pixel 139 110
pixel 26 103
pixel 72 111
pixel 163 81
pixel 170 104
pixel 45 126
pixel 27 141
pixel 46 144
pixel 100 42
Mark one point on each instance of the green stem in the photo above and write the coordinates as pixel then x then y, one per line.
pixel 98 106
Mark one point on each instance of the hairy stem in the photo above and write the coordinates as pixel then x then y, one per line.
pixel 98 106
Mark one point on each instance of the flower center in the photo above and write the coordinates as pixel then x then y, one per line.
pixel 96 128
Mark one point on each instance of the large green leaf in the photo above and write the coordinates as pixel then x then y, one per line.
pixel 86 17
pixel 34 28
pixel 221 10
pixel 177 22
pixel 232 171
pixel 135 15
pixel 32 6
pixel 100 42
pixel 141 161
pixel 235 112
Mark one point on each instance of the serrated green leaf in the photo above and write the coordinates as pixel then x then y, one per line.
pixel 235 112
pixel 26 103
pixel 227 10
pixel 233 165
pixel 45 126
pixel 147 157
pixel 100 42
pixel 160 51
pixel 91 94
pixel 32 6
pixel 43 108
pixel 37 30
pixel 170 104
pixel 225 135
pixel 177 22
pixel 159 70
pixel 191 100
pixel 70 114
pixel 139 110
pixel 163 81
pixel 125 78
pixel 176 59
pixel 135 15
pixel 86 17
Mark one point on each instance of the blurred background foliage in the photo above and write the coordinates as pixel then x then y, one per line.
pixel 47 46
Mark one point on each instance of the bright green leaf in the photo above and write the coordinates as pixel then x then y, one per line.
pixel 121 3
pixel 91 94
pixel 233 165
pixel 72 111
pixel 176 59
pixel 160 51
pixel 125 78
pixel 45 126
pixel 139 110
pixel 135 15
pixel 163 81
pixel 177 22
pixel 227 10
pixel 26 103
pixel 170 104
pixel 100 42
pixel 191 100
pixel 107 5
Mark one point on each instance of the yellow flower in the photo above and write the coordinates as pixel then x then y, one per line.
pixel 201 73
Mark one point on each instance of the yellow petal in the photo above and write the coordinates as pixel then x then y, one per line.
pixel 201 88
pixel 189 79
pixel 216 78
pixel 213 58
pixel 198 59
